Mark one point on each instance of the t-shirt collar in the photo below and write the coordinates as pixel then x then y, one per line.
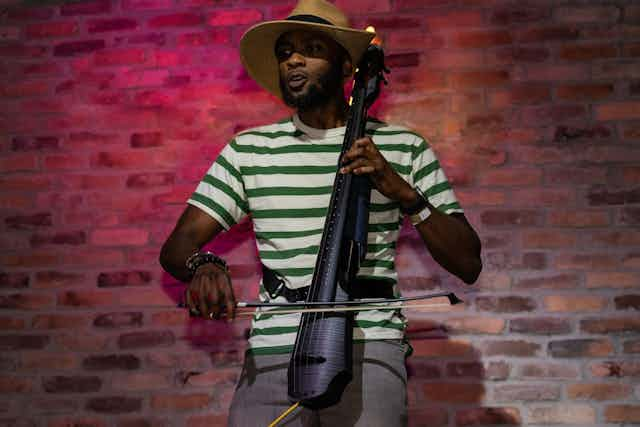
pixel 315 133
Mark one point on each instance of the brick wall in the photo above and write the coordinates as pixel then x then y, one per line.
pixel 113 109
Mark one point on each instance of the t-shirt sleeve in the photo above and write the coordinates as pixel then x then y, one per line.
pixel 221 192
pixel 430 178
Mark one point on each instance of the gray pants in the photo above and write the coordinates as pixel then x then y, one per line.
pixel 375 397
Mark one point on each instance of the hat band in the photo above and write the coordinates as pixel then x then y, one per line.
pixel 309 18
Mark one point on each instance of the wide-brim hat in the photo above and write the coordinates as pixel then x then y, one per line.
pixel 257 46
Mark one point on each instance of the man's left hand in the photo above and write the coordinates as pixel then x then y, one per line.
pixel 364 158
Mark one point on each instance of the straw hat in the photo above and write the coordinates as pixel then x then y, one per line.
pixel 257 46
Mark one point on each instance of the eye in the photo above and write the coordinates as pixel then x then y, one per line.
pixel 283 52
pixel 314 48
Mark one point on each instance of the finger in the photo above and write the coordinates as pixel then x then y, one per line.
pixel 202 300
pixel 353 153
pixel 364 143
pixel 229 299
pixel 358 163
pixel 189 302
pixel 364 170
pixel 214 297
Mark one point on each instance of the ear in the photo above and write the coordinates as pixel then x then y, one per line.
pixel 347 68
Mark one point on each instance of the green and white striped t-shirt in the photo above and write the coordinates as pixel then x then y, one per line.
pixel 282 175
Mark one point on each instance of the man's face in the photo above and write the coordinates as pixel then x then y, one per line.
pixel 310 66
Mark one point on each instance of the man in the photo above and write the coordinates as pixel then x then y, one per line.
pixel 282 175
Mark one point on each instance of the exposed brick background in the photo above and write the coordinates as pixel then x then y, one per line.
pixel 113 109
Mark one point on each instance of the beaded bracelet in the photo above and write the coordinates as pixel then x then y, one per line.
pixel 201 258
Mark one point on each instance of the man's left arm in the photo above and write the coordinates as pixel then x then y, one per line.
pixel 450 238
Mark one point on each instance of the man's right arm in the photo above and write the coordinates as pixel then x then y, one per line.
pixel 210 286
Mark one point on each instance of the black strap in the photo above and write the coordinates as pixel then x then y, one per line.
pixel 361 288
pixel 309 18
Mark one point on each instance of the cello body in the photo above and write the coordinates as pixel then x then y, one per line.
pixel 320 367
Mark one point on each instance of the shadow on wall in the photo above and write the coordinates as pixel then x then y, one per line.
pixel 447 381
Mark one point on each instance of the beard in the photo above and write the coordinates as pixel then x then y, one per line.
pixel 317 94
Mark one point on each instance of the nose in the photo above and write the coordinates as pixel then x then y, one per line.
pixel 295 60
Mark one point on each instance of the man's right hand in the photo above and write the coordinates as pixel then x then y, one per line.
pixel 210 293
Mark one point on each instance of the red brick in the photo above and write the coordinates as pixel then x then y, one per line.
pixel 581 348
pixel 441 348
pixel 21 13
pixel 549 114
pixel 481 39
pixel 574 303
pixel 614 279
pixel 61 238
pixel 478 79
pixel 616 69
pixel 86 298
pixel 56 162
pixel 622 414
pixel 92 7
pixel 562 414
pixel 124 278
pixel 488 416
pixel 586 261
pixel 126 362
pixel 119 237
pixel 519 14
pixel 511 304
pixel 588 52
pixel 107 58
pixel 24 89
pixel 78 47
pixel 180 402
pixel 626 302
pixel 632 347
pixel 415 40
pixel 585 91
pixel 577 14
pixel 71 384
pixel 14 280
pixel 8 323
pixel 466 197
pixel 540 326
pixel 517 177
pixel 16 384
pixel 582 218
pixel 526 392
pixel 512 348
pixel 234 17
pixel 598 392
pixel 23 342
pixel 135 381
pixel 616 369
pixel 624 110
pixel 487 123
pixel 118 320
pixel 140 78
pixel 439 21
pixel 146 339
pixel 76 421
pixel 58 321
pixel 610 325
pixel 553 72
pixel 176 20
pixel 547 34
pixel 114 404
pixel 26 301
pixel 51 29
pixel 511 217
pixel 42 68
pixel 519 94
pixel 18 162
pixel 113 24
pixel 547 371
pixel 146 4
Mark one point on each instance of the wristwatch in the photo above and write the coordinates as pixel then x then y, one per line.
pixel 420 210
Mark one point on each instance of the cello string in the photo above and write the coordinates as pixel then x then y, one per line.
pixel 284 414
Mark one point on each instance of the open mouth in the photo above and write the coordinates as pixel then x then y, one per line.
pixel 296 80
